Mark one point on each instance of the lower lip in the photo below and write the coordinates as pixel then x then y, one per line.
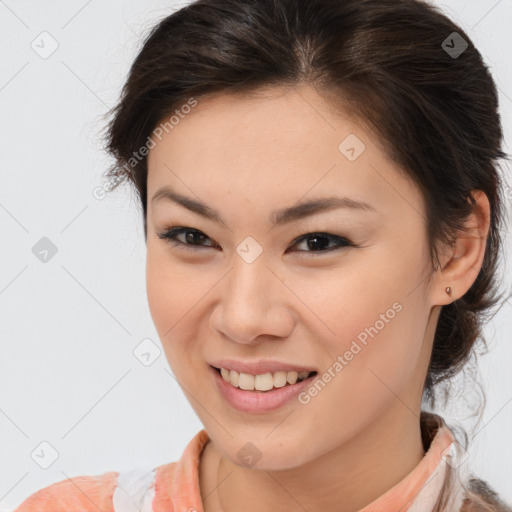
pixel 257 401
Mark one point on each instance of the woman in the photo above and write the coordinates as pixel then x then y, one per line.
pixel 322 212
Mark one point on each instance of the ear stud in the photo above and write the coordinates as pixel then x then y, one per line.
pixel 448 290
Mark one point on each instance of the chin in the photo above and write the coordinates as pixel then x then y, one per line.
pixel 266 455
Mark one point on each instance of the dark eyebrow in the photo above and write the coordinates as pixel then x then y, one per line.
pixel 278 217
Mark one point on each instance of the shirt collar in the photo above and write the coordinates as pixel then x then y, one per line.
pixel 416 492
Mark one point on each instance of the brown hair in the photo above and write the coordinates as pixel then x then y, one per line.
pixel 395 65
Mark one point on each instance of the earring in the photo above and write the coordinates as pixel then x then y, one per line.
pixel 448 290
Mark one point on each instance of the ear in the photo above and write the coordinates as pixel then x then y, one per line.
pixel 462 262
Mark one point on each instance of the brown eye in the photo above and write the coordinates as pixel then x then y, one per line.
pixel 192 239
pixel 315 242
pixel 319 242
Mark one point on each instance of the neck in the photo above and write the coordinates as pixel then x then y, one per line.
pixel 343 480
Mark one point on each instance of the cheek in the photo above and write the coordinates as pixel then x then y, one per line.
pixel 171 291
pixel 347 302
pixel 370 360
pixel 170 298
pixel 174 294
pixel 373 323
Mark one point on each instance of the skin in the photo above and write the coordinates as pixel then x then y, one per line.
pixel 245 157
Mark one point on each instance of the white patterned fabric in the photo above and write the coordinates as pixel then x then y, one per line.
pixel 135 491
pixel 427 497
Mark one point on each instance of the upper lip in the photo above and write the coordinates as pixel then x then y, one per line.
pixel 259 367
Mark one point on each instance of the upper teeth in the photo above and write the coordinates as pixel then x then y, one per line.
pixel 262 382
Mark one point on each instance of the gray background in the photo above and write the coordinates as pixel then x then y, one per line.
pixel 69 327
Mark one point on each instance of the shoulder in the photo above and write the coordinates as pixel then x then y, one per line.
pixel 172 487
pixel 80 494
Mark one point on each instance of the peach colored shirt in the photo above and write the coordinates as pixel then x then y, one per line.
pixel 174 487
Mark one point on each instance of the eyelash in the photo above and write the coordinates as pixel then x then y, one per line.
pixel 170 236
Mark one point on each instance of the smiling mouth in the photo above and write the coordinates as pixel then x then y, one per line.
pixel 263 382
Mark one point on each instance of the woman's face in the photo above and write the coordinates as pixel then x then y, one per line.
pixel 352 303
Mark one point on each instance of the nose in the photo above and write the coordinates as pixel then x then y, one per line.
pixel 253 304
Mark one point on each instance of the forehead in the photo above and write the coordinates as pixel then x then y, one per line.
pixel 280 143
pixel 266 120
